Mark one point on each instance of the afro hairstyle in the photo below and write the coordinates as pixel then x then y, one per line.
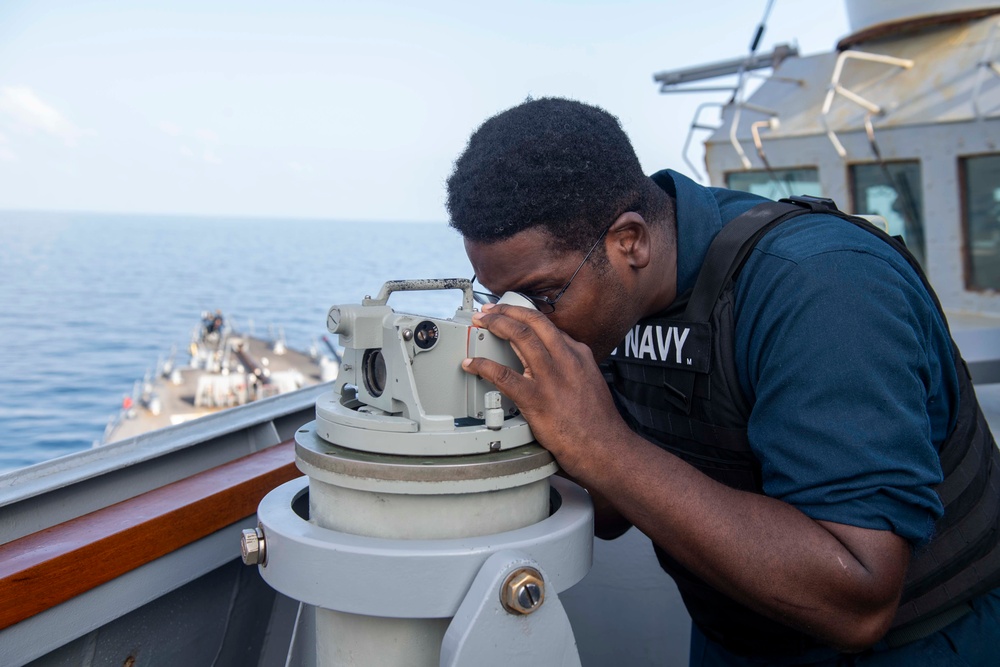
pixel 556 163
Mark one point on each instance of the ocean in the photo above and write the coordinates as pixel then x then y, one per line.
pixel 90 302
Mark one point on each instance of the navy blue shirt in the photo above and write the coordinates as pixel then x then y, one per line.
pixel 848 365
pixel 845 359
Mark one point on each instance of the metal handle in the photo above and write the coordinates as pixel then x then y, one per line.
pixel 423 284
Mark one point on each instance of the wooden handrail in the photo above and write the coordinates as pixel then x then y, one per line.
pixel 44 569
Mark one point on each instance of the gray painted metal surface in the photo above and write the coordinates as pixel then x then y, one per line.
pixel 411 578
pixel 42 495
pixel 55 491
pixel 420 475
pixel 185 608
pixel 401 388
pixel 484 634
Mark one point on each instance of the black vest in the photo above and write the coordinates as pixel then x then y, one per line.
pixel 683 394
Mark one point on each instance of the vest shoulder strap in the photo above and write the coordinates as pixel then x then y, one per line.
pixel 729 251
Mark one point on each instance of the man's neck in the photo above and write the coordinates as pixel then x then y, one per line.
pixel 662 272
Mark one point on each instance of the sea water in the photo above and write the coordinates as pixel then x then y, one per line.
pixel 89 303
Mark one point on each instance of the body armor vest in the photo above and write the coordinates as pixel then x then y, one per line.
pixel 692 405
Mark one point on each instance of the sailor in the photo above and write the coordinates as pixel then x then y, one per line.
pixel 212 324
pixel 217 322
pixel 779 405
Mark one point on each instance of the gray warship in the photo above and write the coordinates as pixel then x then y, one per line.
pixel 224 368
pixel 129 554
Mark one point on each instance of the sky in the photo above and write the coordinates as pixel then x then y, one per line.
pixel 334 109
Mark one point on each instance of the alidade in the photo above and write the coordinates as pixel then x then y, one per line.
pixel 401 389
pixel 431 533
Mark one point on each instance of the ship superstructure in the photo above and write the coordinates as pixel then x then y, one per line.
pixel 902 121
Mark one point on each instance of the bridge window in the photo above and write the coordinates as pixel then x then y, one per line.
pixel 892 190
pixel 981 219
pixel 777 183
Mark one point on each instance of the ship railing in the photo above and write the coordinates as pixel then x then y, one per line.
pixel 836 88
pixel 738 106
pixel 745 69
pixel 697 125
pixel 149 513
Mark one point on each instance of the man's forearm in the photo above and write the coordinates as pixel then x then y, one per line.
pixel 838 583
pixel 609 523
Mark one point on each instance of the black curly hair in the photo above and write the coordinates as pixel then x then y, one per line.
pixel 551 162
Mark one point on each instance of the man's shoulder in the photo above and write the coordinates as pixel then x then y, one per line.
pixel 813 235
pixel 804 236
pixel 825 254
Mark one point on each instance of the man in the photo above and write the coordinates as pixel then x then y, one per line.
pixel 783 449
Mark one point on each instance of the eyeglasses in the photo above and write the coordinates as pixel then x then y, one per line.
pixel 545 305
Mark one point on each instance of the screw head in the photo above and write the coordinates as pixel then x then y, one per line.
pixel 252 548
pixel 523 592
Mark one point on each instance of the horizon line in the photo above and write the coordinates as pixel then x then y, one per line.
pixel 224 216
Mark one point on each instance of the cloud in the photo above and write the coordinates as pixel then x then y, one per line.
pixel 29 112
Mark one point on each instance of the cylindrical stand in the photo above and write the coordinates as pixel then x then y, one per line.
pixel 412 498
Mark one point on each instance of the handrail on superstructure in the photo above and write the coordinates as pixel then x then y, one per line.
pixel 836 88
pixel 696 125
pixel 671 81
pixel 987 63
pixel 771 123
pixel 740 105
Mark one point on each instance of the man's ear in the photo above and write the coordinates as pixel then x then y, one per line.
pixel 629 239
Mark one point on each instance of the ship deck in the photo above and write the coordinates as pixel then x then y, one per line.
pixel 177 393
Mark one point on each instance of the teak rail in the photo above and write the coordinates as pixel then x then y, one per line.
pixel 47 568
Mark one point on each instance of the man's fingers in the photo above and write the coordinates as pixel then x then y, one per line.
pixel 528 316
pixel 510 383
pixel 526 329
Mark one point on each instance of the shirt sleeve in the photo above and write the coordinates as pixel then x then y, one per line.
pixel 844 362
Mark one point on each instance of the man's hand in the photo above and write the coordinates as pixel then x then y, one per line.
pixel 562 393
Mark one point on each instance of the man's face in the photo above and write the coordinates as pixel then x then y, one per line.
pixel 593 310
